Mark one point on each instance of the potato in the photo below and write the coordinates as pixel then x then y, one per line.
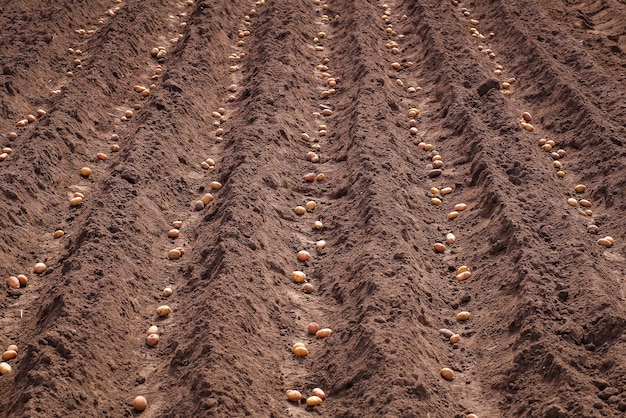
pixel 22 279
pixel 298 276
pixel 453 215
pixel 323 333
pixel 9 355
pixel 463 276
pixel 460 207
pixel 572 202
pixel 13 282
pixel 294 395
pixel 605 242
pixel 85 171
pixel 174 254
pixel 439 247
pixel 319 393
pixel 300 351
pixel 5 368
pixel 463 316
pixel 454 339
pixel 152 340
pixel 198 205
pixel 39 268
pixel 314 401
pixel 140 403
pixel 580 188
pixel 447 373
pixel 163 310
pixel 299 210
pixel 312 328
pixel 207 198
pixel 446 332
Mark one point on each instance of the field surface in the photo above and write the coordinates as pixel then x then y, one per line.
pixel 397 128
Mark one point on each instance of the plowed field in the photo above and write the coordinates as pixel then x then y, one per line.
pixel 399 131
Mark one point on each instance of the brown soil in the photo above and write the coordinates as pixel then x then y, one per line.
pixel 546 334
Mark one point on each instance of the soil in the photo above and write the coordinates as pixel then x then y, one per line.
pixel 546 337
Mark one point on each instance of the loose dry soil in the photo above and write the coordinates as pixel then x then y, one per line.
pixel 547 333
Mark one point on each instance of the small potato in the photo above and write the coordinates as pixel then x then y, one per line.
pixel 453 215
pixel 9 355
pixel 163 311
pixel 152 330
pixel 198 205
pixel 463 276
pixel 572 202
pixel 174 254
pixel 446 190
pixel 300 351
pixel 312 328
pixel 580 188
pixel 303 255
pixel 313 401
pixel 310 205
pixel 167 292
pixel 526 116
pixel 323 333
pixel 309 177
pixel 216 185
pixel 152 340
pixel 319 393
pixel 5 368
pixel 22 279
pixel 173 233
pixel 463 316
pixel 585 203
pixel 318 225
pixel 13 282
pixel 436 201
pixel 207 198
pixel 460 207
pixel 307 288
pixel 454 339
pixel 298 276
pixel 439 247
pixel 299 210
pixel 447 373
pixel 85 171
pixel 140 403
pixel 39 268
pixel 294 396
pixel 446 332
pixel 450 238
